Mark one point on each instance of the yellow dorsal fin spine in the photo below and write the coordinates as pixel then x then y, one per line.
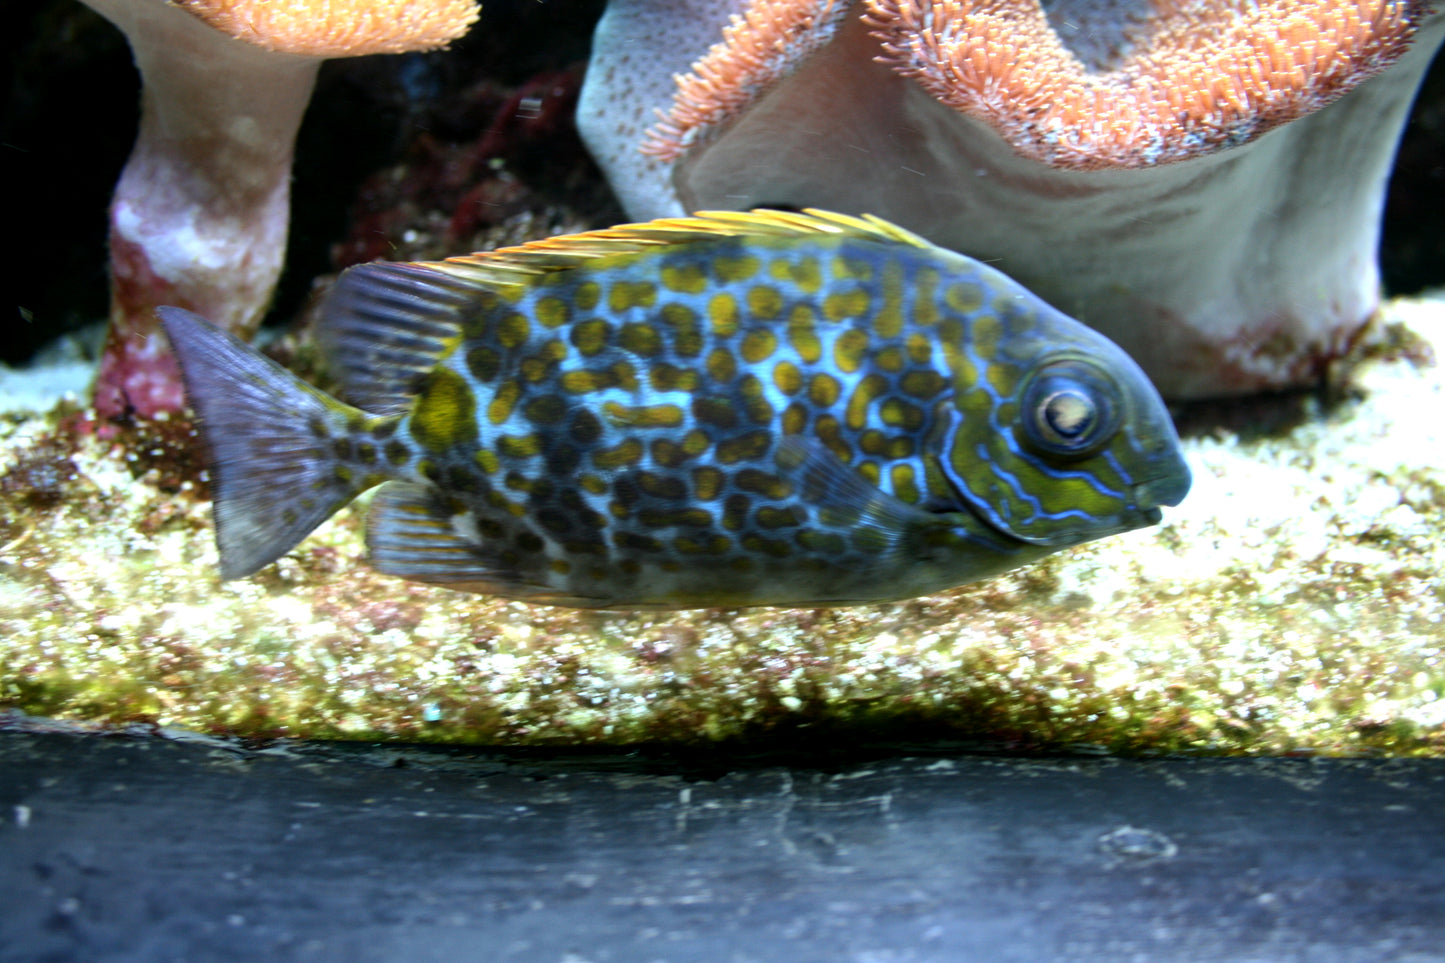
pixel 522 265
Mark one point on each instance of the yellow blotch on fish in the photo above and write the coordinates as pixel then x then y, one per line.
pixel 729 409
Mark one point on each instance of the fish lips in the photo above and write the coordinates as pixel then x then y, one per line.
pixel 1167 490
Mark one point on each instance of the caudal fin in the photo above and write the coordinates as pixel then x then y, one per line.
pixel 275 474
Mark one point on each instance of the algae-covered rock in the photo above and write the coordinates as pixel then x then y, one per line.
pixel 1294 602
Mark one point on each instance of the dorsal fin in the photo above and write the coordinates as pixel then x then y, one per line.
pixel 523 264
pixel 385 325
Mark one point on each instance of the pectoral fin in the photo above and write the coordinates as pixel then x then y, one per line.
pixel 845 501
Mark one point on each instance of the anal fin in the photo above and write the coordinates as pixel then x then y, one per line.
pixel 411 535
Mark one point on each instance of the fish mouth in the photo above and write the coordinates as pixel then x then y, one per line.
pixel 1167 490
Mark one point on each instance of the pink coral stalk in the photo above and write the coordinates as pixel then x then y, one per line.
pixel 200 215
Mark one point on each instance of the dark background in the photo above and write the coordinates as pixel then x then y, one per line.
pixel 68 113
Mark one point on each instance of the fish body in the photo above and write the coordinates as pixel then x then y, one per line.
pixel 732 409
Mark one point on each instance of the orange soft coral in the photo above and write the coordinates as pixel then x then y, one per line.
pixel 1175 79
pixel 1200 179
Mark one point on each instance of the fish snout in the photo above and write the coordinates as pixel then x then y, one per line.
pixel 1168 490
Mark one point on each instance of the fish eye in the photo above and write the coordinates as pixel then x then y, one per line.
pixel 1070 408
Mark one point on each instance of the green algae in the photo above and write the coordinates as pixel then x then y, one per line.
pixel 1293 604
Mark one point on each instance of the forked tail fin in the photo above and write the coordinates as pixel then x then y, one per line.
pixel 271 438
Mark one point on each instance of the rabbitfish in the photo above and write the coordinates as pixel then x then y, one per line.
pixel 762 408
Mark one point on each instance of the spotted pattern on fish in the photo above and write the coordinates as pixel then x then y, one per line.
pixel 731 409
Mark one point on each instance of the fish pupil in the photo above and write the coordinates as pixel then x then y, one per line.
pixel 1069 414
